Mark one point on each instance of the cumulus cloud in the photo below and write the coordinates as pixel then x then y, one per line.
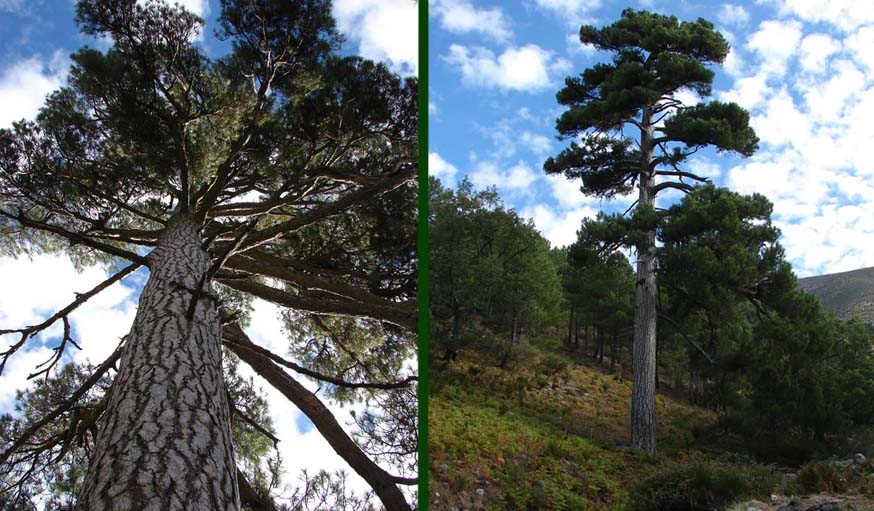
pixel 815 51
pixel 516 178
pixel 572 11
pixel 560 228
pixel 538 144
pixel 440 168
pixel 774 43
pixel 461 17
pixel 842 14
pixel 732 14
pixel 524 69
pixel 25 300
pixel 25 84
pixel 385 30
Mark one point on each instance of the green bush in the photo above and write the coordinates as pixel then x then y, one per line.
pixel 701 485
pixel 821 478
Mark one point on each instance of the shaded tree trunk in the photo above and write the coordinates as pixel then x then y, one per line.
pixel 643 418
pixel 165 439
pixel 570 327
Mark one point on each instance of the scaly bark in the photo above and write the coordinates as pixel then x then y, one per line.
pixel 643 417
pixel 165 441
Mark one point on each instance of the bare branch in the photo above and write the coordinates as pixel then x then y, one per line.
pixel 383 483
pixel 80 299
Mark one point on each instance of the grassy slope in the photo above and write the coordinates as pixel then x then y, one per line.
pixel 847 294
pixel 504 440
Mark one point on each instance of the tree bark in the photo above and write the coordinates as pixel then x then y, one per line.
pixel 643 419
pixel 165 440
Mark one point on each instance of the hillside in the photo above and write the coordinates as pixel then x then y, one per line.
pixel 848 294
pixel 516 439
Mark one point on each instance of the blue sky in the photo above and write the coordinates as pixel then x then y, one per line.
pixel 803 68
pixel 38 37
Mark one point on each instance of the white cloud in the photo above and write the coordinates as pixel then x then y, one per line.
pixel 516 178
pixel 198 7
pixel 815 51
pixel 860 44
pixel 25 84
pixel 749 92
pixel 386 30
pixel 560 228
pixel 460 17
pixel 774 43
pixel 732 14
pixel 526 68
pixel 537 144
pixel 25 300
pixel 575 47
pixel 843 14
pixel 733 63
pixel 442 169
pixel 574 12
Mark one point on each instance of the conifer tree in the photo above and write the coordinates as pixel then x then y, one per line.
pixel 655 57
pixel 280 171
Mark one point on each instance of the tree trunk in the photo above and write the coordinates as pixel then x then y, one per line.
pixel 570 328
pixel 165 439
pixel 643 419
pixel 613 351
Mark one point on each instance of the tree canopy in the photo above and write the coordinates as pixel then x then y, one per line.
pixel 298 168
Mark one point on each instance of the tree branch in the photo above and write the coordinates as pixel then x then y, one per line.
pixel 383 483
pixel 80 299
pixel 76 237
pixel 232 333
pixel 402 318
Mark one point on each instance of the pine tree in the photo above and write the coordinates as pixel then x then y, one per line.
pixel 280 171
pixel 654 57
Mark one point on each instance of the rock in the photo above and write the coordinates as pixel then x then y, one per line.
pixel 843 463
pixel 860 458
pixel 480 492
pixel 753 509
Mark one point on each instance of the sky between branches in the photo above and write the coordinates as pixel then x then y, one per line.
pixel 803 68
pixel 39 36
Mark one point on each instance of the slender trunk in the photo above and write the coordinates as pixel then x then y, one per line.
pixel 643 416
pixel 165 438
pixel 585 337
pixel 577 333
pixel 613 352
pixel 570 327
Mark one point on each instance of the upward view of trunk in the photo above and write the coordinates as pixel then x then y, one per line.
pixel 643 417
pixel 164 443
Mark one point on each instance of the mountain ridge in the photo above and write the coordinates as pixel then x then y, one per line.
pixel 847 294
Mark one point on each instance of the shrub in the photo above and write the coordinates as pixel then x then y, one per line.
pixel 819 477
pixel 701 485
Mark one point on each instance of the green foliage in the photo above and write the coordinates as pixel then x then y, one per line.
pixel 488 265
pixel 701 485
pixel 654 57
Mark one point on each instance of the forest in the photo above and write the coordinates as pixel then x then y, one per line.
pixel 666 359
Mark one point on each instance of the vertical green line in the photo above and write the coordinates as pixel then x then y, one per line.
pixel 423 255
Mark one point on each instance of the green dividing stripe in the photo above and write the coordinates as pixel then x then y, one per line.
pixel 423 255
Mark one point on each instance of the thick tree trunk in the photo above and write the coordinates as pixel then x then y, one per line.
pixel 643 417
pixel 165 439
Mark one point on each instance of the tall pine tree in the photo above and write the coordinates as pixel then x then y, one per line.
pixel 281 172
pixel 654 58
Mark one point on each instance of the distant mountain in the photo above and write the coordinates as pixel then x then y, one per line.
pixel 848 294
